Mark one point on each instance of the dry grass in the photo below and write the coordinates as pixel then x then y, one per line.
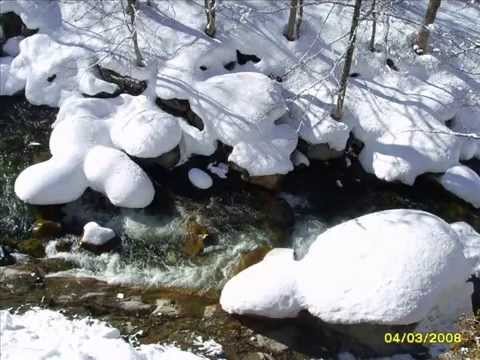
pixel 469 348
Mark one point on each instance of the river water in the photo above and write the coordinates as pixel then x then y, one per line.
pixel 240 220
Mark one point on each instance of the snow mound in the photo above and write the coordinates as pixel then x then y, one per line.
pixel 240 110
pixel 463 182
pixel 12 46
pixel 46 334
pixel 200 179
pixel 96 235
pixel 401 122
pixel 357 272
pixel 50 82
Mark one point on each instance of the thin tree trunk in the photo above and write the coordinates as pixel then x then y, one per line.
pixel 292 20
pixel 131 10
pixel 299 18
pixel 337 115
pixel 211 27
pixel 424 33
pixel 374 26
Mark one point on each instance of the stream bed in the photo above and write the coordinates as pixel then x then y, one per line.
pixel 175 255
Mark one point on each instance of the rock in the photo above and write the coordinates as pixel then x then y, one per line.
pixel 210 311
pixel 195 238
pixel 250 258
pixel 125 83
pixel 5 257
pixel 257 356
pixel 33 247
pixel 63 245
pixel 269 182
pixel 166 307
pixel 169 159
pixel 135 306
pixel 98 239
pixel 46 229
pixel 270 344
pixel 322 152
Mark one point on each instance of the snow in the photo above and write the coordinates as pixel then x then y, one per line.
pixel 463 182
pixel 96 235
pixel 357 272
pixel 12 46
pixel 220 169
pixel 114 174
pixel 200 179
pixel 46 334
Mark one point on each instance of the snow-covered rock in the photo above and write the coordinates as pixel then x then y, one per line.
pixel 12 46
pixel 97 235
pixel 113 173
pixel 49 335
pixel 200 179
pixel 463 182
pixel 389 267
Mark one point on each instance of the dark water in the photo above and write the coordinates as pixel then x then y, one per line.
pixel 21 124
pixel 239 218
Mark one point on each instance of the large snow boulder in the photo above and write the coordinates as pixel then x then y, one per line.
pixel 391 267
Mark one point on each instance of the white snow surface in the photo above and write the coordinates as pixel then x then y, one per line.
pixel 200 178
pixel 463 182
pixel 389 267
pixel 46 334
pixel 96 235
pixel 400 116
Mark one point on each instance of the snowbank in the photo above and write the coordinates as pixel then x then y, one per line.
pixel 45 334
pixel 389 267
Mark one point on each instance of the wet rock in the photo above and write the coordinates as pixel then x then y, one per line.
pixel 250 258
pixel 169 159
pixel 46 229
pixel 210 311
pixel 5 257
pixel 322 152
pixel 269 182
pixel 270 344
pixel 135 306
pixel 63 245
pixel 125 83
pixel 195 237
pixel 166 307
pixel 33 247
pixel 257 356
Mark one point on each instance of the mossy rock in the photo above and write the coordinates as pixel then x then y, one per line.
pixel 250 258
pixel 46 229
pixel 33 247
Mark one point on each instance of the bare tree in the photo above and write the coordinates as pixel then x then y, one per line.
pixel 210 7
pixel 424 33
pixel 132 27
pixel 337 115
pixel 295 19
pixel 373 10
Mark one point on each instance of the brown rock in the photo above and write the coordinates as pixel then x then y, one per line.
pixel 195 238
pixel 270 182
pixel 250 258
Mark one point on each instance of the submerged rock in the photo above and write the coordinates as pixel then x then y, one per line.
pixel 5 257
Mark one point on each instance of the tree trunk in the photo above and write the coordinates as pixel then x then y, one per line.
pixel 424 33
pixel 294 19
pixel 131 10
pixel 211 28
pixel 374 26
pixel 337 115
